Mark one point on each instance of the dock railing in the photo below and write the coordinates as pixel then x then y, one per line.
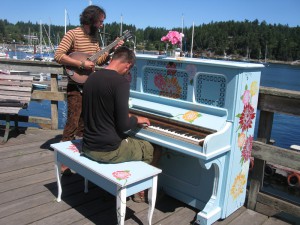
pixel 37 67
pixel 270 101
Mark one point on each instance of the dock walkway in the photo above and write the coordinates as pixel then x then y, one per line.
pixel 28 192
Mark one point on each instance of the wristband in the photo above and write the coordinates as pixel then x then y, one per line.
pixel 82 65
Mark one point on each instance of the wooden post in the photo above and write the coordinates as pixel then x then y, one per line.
pixel 263 135
pixel 54 104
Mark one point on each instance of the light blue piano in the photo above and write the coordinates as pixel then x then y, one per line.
pixel 203 113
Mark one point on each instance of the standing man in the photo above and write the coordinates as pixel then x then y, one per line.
pixel 106 116
pixel 82 39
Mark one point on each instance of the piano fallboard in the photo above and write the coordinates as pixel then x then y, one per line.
pixel 185 139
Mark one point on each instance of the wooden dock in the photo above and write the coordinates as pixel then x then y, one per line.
pixel 28 192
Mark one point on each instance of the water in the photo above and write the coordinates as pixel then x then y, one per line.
pixel 25 55
pixel 286 128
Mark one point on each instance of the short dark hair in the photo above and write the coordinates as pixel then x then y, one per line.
pixel 124 54
pixel 90 15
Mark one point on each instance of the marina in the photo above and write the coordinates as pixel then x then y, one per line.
pixel 261 134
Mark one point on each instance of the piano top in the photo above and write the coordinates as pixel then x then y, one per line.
pixel 208 62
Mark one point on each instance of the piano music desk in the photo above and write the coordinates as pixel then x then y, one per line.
pixel 120 180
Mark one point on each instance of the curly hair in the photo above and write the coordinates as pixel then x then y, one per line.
pixel 91 14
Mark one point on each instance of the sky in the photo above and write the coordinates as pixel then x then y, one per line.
pixel 155 13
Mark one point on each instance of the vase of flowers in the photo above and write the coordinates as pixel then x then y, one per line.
pixel 173 42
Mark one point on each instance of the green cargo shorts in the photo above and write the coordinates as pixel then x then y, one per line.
pixel 130 149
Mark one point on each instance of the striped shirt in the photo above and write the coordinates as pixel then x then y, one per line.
pixel 76 40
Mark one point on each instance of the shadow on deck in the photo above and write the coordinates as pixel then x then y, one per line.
pixel 28 192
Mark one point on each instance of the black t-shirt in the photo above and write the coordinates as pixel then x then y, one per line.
pixel 105 110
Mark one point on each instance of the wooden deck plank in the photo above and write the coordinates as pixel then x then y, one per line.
pixel 249 217
pixel 24 161
pixel 274 221
pixel 49 209
pixel 231 217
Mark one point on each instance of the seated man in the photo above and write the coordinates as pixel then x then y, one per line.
pixel 106 116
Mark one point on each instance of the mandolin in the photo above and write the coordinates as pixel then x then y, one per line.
pixel 79 75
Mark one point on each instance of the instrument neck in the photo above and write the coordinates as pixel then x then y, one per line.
pixel 95 57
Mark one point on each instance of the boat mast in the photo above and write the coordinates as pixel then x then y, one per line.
pixel 192 40
pixel 65 21
pixel 41 37
pixel 266 52
pixel 182 24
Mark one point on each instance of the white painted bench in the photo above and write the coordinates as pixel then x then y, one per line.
pixel 120 180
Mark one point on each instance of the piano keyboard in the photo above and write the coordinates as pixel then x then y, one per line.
pixel 176 134
pixel 167 128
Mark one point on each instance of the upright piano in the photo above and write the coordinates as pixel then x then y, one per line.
pixel 202 113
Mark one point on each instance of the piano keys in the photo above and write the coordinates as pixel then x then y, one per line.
pixel 202 114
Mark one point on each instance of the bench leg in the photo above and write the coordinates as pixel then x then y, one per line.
pixel 58 177
pixel 17 123
pixel 86 185
pixel 121 205
pixel 7 129
pixel 152 192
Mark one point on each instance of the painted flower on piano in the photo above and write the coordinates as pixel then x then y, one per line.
pixel 238 186
pixel 190 116
pixel 168 86
pixel 247 117
pixel 245 137
pixel 246 152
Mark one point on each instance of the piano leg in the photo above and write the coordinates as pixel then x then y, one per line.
pixel 213 209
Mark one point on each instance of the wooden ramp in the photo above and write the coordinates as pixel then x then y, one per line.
pixel 28 192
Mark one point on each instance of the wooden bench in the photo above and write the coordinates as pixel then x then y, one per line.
pixel 15 94
pixel 120 180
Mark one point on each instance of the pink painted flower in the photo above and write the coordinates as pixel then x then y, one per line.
pixel 246 97
pixel 171 68
pixel 246 117
pixel 172 88
pixel 73 148
pixel 246 153
pixel 159 81
pixel 121 175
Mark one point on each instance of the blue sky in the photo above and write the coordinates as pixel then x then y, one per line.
pixel 155 13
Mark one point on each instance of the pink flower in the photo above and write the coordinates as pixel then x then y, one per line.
pixel 171 68
pixel 73 147
pixel 121 175
pixel 246 153
pixel 247 116
pixel 246 97
pixel 159 81
pixel 174 37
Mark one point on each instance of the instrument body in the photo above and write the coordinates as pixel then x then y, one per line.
pixel 79 75
pixel 203 113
